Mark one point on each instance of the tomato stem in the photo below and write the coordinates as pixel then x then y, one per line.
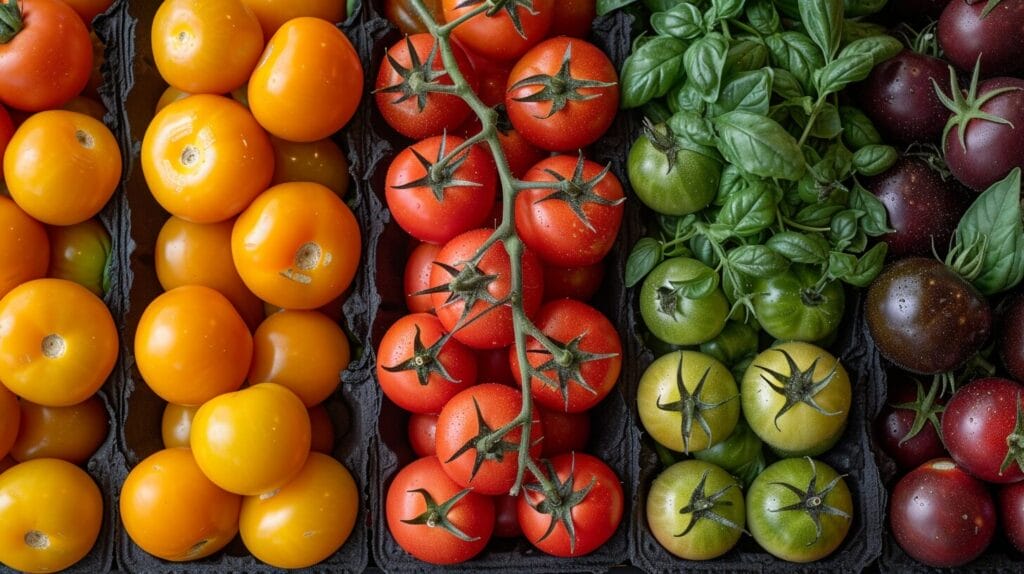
pixel 11 21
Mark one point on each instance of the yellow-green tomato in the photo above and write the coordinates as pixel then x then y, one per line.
pixel 81 253
pixel 695 510
pixel 681 302
pixel 688 401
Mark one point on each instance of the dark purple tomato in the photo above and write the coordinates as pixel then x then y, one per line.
pixel 924 317
pixel 990 150
pixel 1011 339
pixel 923 208
pixel 942 516
pixel 982 430
pixel 998 37
pixel 1011 513
pixel 907 402
pixel 899 98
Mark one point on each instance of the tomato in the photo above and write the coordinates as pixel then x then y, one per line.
pixel 741 455
pixel 62 167
pixel 301 350
pixel 297 246
pixel 983 428
pixel 205 158
pixel 737 343
pixel 687 401
pixel 273 14
pixel 419 368
pixel 503 32
pixel 670 179
pixel 576 224
pixel 171 510
pixel 321 430
pixel 403 14
pixel 205 47
pixel 24 247
pixel 493 367
pixel 585 364
pixel 6 463
pixel 942 516
pixel 1011 513
pixel 580 283
pixel 520 154
pixel 170 95
pixel 472 414
pixel 189 253
pixel 506 519
pixel 176 425
pixel 435 519
pixel 84 105
pixel 305 521
pixel 422 433
pixel 584 514
pixel 909 406
pixel 799 509
pixel 240 453
pixel 81 253
pixel 563 94
pixel 402 99
pixel 320 161
pixel 70 433
pixel 564 432
pixel 89 9
pixel 45 54
pixel 58 342
pixel 796 397
pixel 487 321
pixel 10 419
pixel 416 277
pixel 435 194
pixel 573 18
pixel 676 315
pixel 6 131
pixel 308 82
pixel 695 510
pixel 789 307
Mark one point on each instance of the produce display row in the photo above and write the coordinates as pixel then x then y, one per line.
pixel 274 278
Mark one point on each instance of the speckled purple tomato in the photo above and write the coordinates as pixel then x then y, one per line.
pixel 998 37
pixel 982 430
pixel 1011 513
pixel 899 98
pixel 990 150
pixel 895 422
pixel 1011 338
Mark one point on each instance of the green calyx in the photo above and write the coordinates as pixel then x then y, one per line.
pixel 578 191
pixel 559 500
pixel 812 500
pixel 565 365
pixel 436 515
pixel 926 410
pixel 1015 442
pixel 664 141
pixel 11 21
pixel 691 407
pixel 798 386
pixel 440 172
pixel 468 285
pixel 702 506
pixel 424 361
pixel 967 108
pixel 487 446
pixel 418 79
pixel 509 6
pixel 560 88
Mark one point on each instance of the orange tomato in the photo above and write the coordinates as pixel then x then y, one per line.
pixel 191 345
pixel 58 342
pixel 89 9
pixel 302 350
pixel 206 46
pixel 304 522
pixel 308 83
pixel 321 430
pixel 252 441
pixel 87 106
pixel 205 158
pixel 200 254
pixel 71 433
pixel 81 253
pixel 171 509
pixel 272 14
pixel 10 418
pixel 62 167
pixel 297 246
pixel 6 132
pixel 50 515
pixel 176 425
pixel 24 247
pixel 170 95
pixel 6 463
pixel 320 162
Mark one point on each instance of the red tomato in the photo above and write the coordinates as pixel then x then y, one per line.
pixel 493 367
pixel 520 154
pixel 594 508
pixel 580 283
pixel 435 195
pixel 504 33
pixel 983 428
pixel 420 523
pixel 573 18
pixel 506 520
pixel 564 432
pixel 422 432
pixel 409 109
pixel 481 286
pixel 563 94
pixel 492 79
pixel 417 277
pixel 575 225
pixel 418 368
pixel 472 414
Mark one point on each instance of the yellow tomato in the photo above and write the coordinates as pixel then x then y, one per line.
pixel 170 95
pixel 10 419
pixel 320 162
pixel 176 425
pixel 70 433
pixel 272 14
pixel 24 247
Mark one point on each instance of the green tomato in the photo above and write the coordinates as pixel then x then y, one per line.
pixel 695 510
pixel 788 307
pixel 670 179
pixel 737 341
pixel 799 509
pixel 741 454
pixel 81 253
pixel 688 401
pixel 672 316
pixel 796 397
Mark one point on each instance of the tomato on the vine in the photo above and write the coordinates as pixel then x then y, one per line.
pixel 503 33
pixel 416 277
pixel 81 253
pixel 573 18
pixel 24 247
pixel 580 283
pixel 564 432
pixel 422 432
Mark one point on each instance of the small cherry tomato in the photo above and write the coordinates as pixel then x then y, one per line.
pixel 10 419
pixel 170 95
pixel 85 105
pixel 89 9
pixel 417 277
pixel 71 433
pixel 422 433
pixel 272 14
pixel 176 425
pixel 24 247
pixel 573 18
pixel 320 162
pixel 321 430
pixel 503 33
pixel 81 253
pixel 580 283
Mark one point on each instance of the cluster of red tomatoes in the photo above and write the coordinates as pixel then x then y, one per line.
pixel 254 188
pixel 58 340
pixel 453 361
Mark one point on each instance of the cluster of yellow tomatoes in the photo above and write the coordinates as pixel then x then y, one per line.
pixel 238 154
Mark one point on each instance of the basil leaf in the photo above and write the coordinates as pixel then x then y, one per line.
pixel 823 20
pixel 749 91
pixel 880 48
pixel 843 71
pixel 876 218
pixel 841 264
pixel 858 131
pixel 703 251
pixel 857 30
pixel 757 261
pixel 726 9
pixel 868 266
pixel 644 257
pixel 699 286
pixel 606 6
pixel 682 21
pixel 763 16
pixel 352 7
pixel 657 111
pixel 704 61
pixel 835 166
pixel 863 7
pixel 785 84
pixel 796 53
pixel 693 132
pixel 651 70
pixel 660 5
pixel 799 247
pixel 844 228
pixel 759 145
pixel 996 216
pixel 685 97
pixel 731 182
pixel 748 212
pixel 874 159
pixel 745 56
pixel 817 214
pixel 827 125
